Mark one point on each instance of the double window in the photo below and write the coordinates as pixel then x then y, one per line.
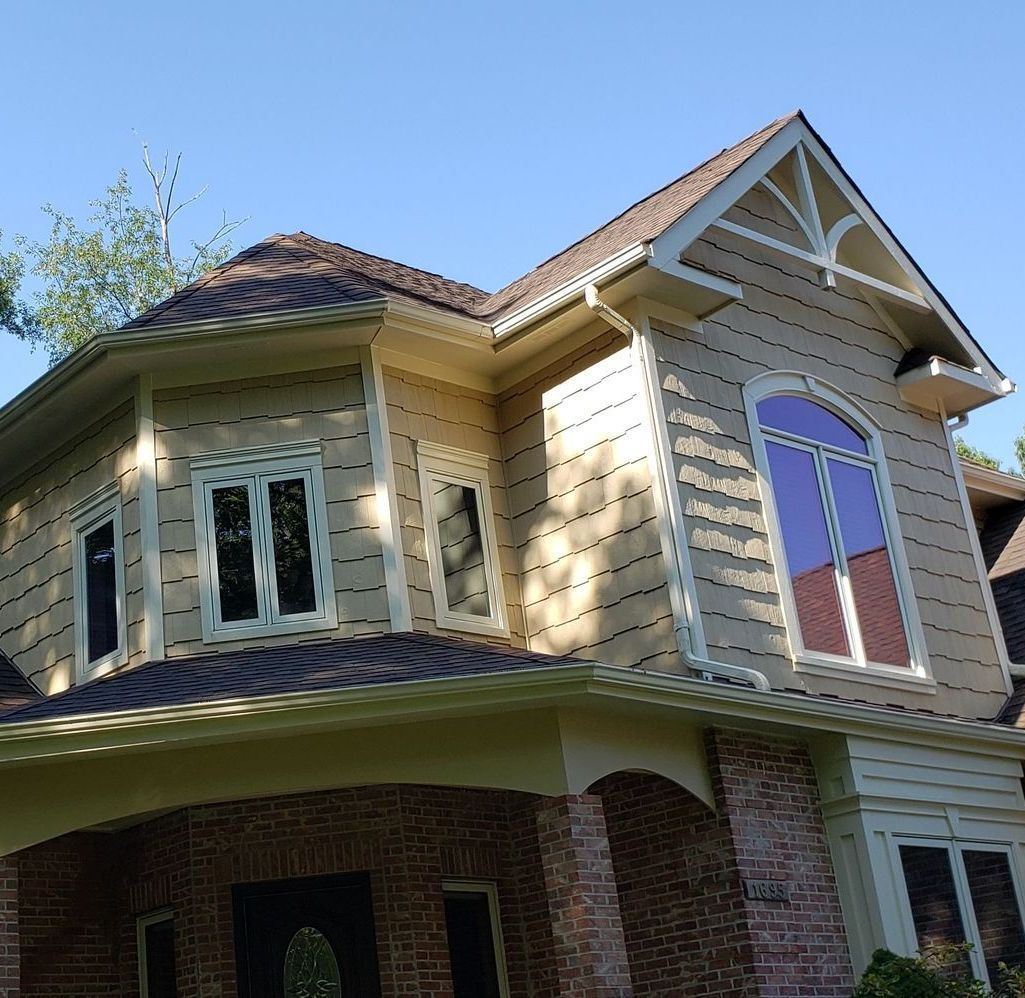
pixel 846 591
pixel 99 578
pixel 261 535
pixel 462 551
pixel 958 892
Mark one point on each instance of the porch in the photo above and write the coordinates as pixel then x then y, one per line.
pixel 635 886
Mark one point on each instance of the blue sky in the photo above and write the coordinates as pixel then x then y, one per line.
pixel 475 139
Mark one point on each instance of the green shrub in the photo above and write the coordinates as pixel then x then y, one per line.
pixel 941 972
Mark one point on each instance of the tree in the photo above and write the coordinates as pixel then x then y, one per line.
pixel 99 276
pixel 971 453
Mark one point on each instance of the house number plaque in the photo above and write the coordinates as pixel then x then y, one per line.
pixel 767 890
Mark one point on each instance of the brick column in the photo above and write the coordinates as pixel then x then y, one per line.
pixel 10 949
pixel 583 902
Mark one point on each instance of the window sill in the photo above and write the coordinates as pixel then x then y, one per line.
pixel 268 630
pixel 873 675
pixel 491 628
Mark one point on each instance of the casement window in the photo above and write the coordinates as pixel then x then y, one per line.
pixel 155 940
pixel 843 575
pixel 99 583
pixel 476 952
pixel 262 542
pixel 462 551
pixel 959 892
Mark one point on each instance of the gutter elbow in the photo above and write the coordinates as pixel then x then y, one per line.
pixel 725 671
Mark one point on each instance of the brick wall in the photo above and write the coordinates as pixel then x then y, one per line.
pixel 10 963
pixel 767 792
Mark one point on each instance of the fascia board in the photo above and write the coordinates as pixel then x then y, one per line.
pixel 154 728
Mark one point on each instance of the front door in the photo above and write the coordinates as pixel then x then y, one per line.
pixel 310 938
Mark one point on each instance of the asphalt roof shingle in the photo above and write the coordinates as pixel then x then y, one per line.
pixel 304 668
pixel 290 272
pixel 15 689
pixel 1003 547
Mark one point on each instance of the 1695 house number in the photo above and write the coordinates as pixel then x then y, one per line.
pixel 767 890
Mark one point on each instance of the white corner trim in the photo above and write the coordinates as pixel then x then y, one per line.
pixel 808 386
pixel 102 506
pixel 149 520
pixel 980 562
pixel 436 462
pixel 386 493
pixel 672 527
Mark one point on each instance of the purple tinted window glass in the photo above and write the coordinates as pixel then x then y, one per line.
pixel 805 418
pixel 868 564
pixel 809 555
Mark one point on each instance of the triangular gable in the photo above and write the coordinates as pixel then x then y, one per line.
pixel 835 232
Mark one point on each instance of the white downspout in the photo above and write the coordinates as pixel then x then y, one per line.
pixel 663 484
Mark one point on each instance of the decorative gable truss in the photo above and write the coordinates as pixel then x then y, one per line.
pixel 832 230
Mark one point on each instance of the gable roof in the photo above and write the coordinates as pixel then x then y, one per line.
pixel 1003 548
pixel 286 272
pixel 15 689
pixel 305 668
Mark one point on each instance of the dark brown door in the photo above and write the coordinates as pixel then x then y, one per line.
pixel 311 938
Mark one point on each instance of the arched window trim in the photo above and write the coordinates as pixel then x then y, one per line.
pixel 808 386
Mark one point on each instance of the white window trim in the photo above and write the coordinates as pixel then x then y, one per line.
pixel 94 511
pixel 919 675
pixel 487 888
pixel 142 923
pixel 452 465
pixel 954 848
pixel 303 459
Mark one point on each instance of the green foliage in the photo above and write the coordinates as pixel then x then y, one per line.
pixel 939 972
pixel 1019 449
pixel 97 276
pixel 970 453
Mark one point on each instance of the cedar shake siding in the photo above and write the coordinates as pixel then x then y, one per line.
pixel 786 321
pixel 421 408
pixel 37 617
pixel 583 515
pixel 325 405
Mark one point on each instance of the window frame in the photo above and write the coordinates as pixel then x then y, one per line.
pixel 254 468
pixel 456 885
pixel 857 667
pixel 452 466
pixel 955 848
pixel 95 511
pixel 142 923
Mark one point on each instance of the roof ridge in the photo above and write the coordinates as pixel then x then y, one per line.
pixel 301 235
pixel 776 123
pixel 331 278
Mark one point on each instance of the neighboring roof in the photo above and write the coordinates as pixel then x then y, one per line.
pixel 15 689
pixel 1013 713
pixel 304 668
pixel 1003 547
pixel 286 272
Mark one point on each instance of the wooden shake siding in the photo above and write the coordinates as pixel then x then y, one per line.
pixel 422 408
pixel 325 405
pixel 583 515
pixel 787 322
pixel 37 617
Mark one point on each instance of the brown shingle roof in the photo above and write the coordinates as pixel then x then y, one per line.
pixel 304 668
pixel 1003 547
pixel 288 272
pixel 15 689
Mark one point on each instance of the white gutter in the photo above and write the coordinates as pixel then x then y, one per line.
pixel 664 483
pixel 566 293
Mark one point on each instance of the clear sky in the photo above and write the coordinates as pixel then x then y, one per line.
pixel 476 138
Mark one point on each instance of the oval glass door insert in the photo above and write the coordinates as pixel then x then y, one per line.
pixel 311 968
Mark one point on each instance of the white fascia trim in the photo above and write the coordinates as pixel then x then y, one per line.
pixel 722 703
pixel 99 346
pixel 671 243
pixel 565 293
pixel 995 483
pixel 423 318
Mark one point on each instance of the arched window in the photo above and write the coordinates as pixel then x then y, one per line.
pixel 830 512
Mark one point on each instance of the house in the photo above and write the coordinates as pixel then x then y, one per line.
pixel 623 632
